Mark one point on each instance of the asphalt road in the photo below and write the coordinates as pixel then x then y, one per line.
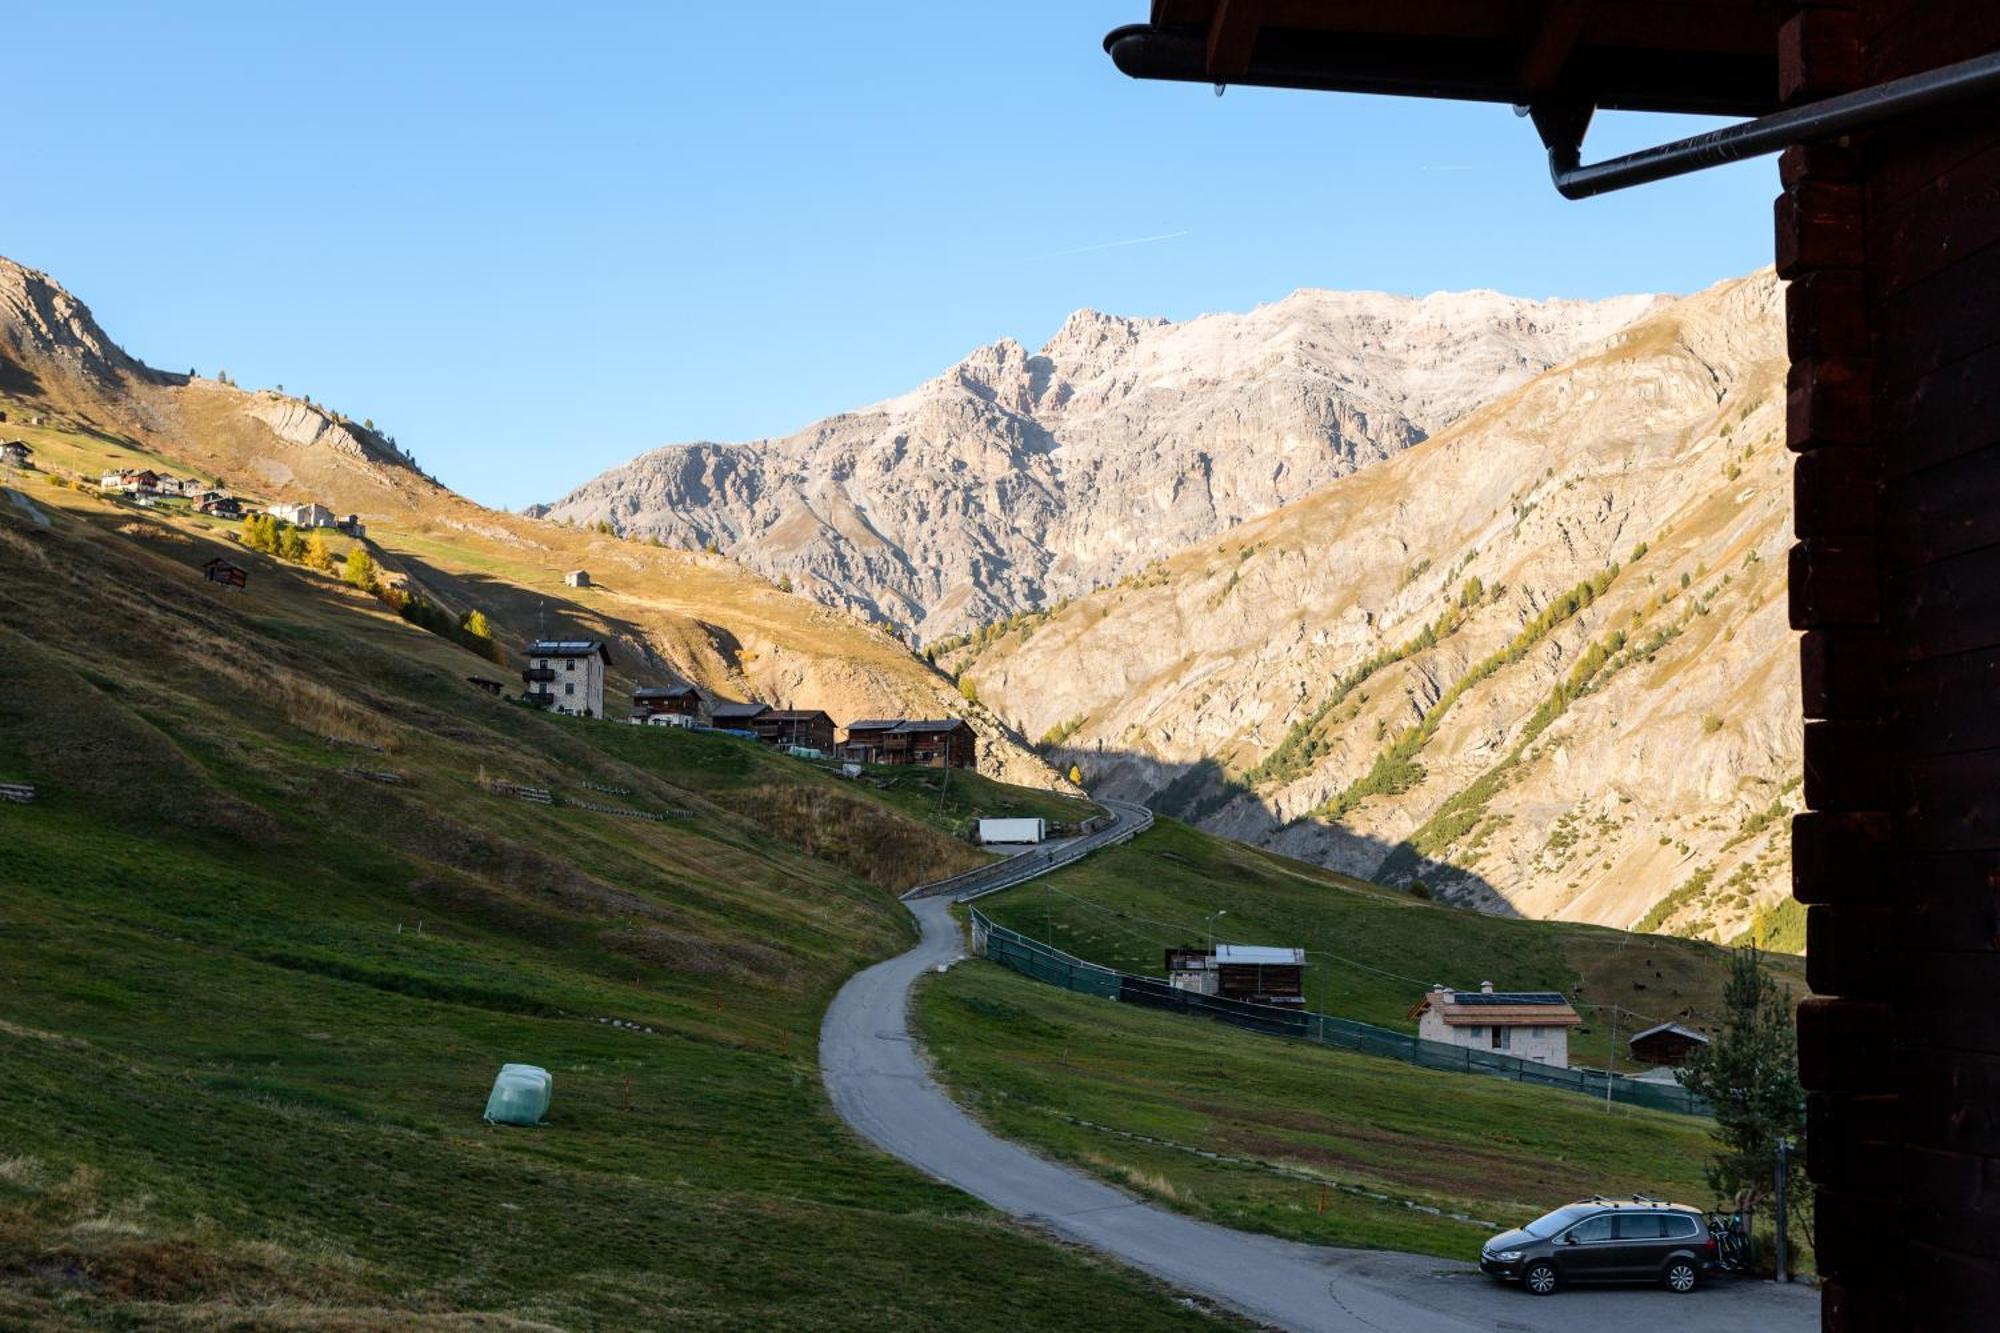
pixel 878 1080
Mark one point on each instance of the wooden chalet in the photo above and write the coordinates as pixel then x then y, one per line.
pixel 1888 236
pixel 926 743
pixel 1666 1044
pixel 228 575
pixel 805 728
pixel 1257 974
pixel 16 453
pixel 730 716
pixel 651 701
pixel 1251 973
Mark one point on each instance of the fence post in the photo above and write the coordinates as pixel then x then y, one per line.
pixel 1784 1178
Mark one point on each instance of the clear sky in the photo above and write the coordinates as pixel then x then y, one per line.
pixel 532 240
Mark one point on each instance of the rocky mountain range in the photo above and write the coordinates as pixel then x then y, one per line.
pixel 1016 479
pixel 1539 662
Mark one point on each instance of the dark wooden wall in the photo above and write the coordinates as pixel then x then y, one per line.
pixel 1892 245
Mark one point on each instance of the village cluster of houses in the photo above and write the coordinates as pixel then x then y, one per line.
pixel 567 676
pixel 1528 1025
pixel 145 485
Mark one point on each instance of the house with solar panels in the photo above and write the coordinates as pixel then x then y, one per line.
pixel 567 676
pixel 1529 1025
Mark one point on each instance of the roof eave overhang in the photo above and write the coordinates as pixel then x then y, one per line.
pixel 1458 69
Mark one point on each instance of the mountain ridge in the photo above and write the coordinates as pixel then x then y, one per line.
pixel 1450 667
pixel 1013 479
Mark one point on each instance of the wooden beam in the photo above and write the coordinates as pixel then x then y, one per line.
pixel 1232 36
pixel 1556 29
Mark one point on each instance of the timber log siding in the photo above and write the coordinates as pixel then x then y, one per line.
pixel 1891 241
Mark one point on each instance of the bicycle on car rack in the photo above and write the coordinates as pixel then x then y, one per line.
pixel 1732 1241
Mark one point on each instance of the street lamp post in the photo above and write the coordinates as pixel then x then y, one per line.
pixel 1211 927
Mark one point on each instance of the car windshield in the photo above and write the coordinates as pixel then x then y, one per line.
pixel 1550 1223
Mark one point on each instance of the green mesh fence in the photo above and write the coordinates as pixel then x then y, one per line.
pixel 1034 959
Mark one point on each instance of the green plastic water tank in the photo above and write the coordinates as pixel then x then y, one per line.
pixel 520 1095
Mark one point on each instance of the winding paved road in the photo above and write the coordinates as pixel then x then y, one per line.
pixel 876 1074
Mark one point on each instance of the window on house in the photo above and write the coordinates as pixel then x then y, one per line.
pixel 570 665
pixel 569 687
pixel 543 664
pixel 1503 1038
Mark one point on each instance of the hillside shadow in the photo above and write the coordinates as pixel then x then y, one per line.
pixel 521 615
pixel 18 380
pixel 1206 795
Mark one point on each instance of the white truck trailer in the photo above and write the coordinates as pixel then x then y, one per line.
pixel 1013 830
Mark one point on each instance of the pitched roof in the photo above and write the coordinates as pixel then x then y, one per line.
pixel 1665 1029
pixel 733 710
pixel 570 648
pixel 874 724
pixel 927 725
pixel 1237 954
pixel 794 714
pixel 665 692
pixel 1539 1008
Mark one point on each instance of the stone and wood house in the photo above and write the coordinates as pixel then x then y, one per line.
pixel 1529 1025
pixel 567 675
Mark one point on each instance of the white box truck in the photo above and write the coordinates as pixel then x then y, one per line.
pixel 1013 830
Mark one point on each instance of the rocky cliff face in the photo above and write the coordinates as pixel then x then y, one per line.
pixel 1539 663
pixel 1017 479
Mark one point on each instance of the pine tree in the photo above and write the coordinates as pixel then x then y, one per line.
pixel 1749 1074
pixel 361 569
pixel 292 546
pixel 784 583
pixel 475 624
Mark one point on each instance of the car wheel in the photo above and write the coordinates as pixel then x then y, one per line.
pixel 1540 1278
pixel 1679 1277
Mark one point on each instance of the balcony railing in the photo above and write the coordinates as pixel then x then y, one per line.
pixel 538 673
pixel 540 698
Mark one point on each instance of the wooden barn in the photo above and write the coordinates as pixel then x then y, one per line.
pixel 1259 974
pixel 228 575
pixel 650 701
pixel 806 728
pixel 731 716
pixel 1666 1044
pixel 1888 234
pixel 928 743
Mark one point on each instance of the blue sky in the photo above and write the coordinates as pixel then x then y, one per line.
pixel 534 240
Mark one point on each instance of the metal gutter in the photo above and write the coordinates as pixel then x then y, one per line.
pixel 1562 129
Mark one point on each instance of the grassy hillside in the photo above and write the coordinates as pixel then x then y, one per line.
pixel 269 933
pixel 1244 1129
pixel 1034 1061
pixel 1372 951
pixel 668 614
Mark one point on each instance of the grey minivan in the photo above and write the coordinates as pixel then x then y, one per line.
pixel 1605 1240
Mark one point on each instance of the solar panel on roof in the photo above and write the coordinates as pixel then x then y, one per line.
pixel 1508 997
